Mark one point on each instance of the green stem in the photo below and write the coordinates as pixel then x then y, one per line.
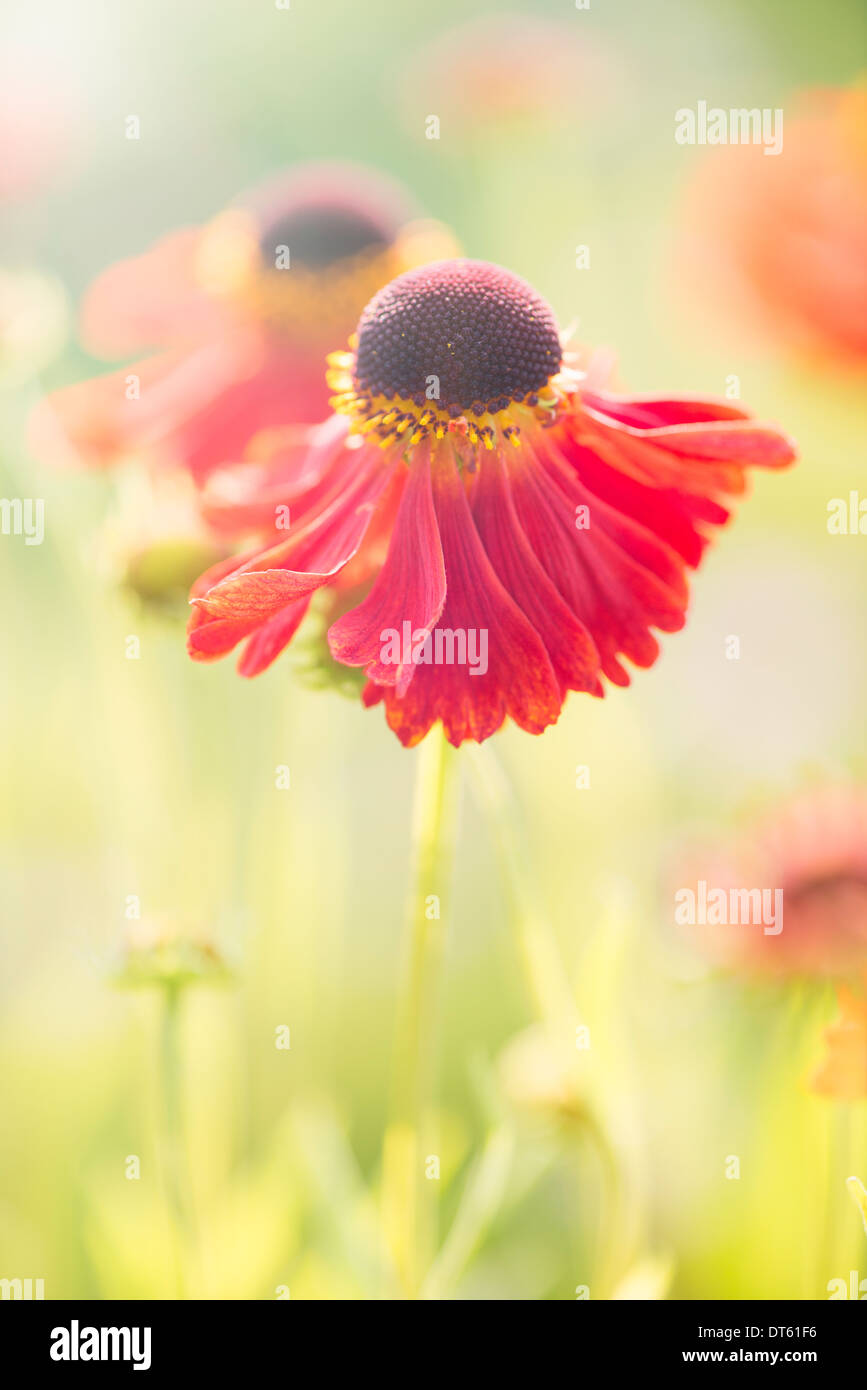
pixel 177 1189
pixel 543 963
pixel 552 996
pixel 408 1196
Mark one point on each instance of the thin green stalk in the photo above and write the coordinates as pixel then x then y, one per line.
pixel 174 1172
pixel 553 997
pixel 545 972
pixel 836 1242
pixel 408 1196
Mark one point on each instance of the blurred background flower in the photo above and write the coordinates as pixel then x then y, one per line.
pixel 781 240
pixel 811 849
pixel 244 310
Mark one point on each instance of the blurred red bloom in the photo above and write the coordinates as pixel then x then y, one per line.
pixel 480 490
pixel 813 848
pixel 783 238
pixel 242 312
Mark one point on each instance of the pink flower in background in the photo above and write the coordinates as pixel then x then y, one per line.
pixel 241 313
pixel 783 238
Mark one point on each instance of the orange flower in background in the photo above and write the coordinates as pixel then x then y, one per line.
pixel 783 237
pixel 514 528
pixel 242 312
pixel 842 1073
pixel 813 851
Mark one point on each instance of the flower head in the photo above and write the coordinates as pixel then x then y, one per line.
pixel 540 1074
pixel 241 312
pixel 515 529
pixel 169 953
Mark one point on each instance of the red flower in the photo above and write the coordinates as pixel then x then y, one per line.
pixel 242 311
pixel 517 528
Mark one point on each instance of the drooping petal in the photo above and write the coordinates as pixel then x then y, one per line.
pixel 567 642
pixel 410 588
pixel 259 589
pixel 506 669
pixel 300 467
pixel 706 457
pixel 652 412
pixel 607 589
pixel 272 638
pixel 668 464
pixel 678 518
pixel 628 534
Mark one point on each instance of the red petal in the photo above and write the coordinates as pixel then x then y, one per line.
pixel 614 596
pixel 257 590
pixel 520 680
pixel 298 478
pixel 651 412
pixel 672 515
pixel 696 455
pixel 410 587
pixel 266 645
pixel 568 643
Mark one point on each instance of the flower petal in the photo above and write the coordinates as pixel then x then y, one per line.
pixel 272 638
pixel 607 589
pixel 256 591
pixel 568 643
pixel 519 680
pixel 410 587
